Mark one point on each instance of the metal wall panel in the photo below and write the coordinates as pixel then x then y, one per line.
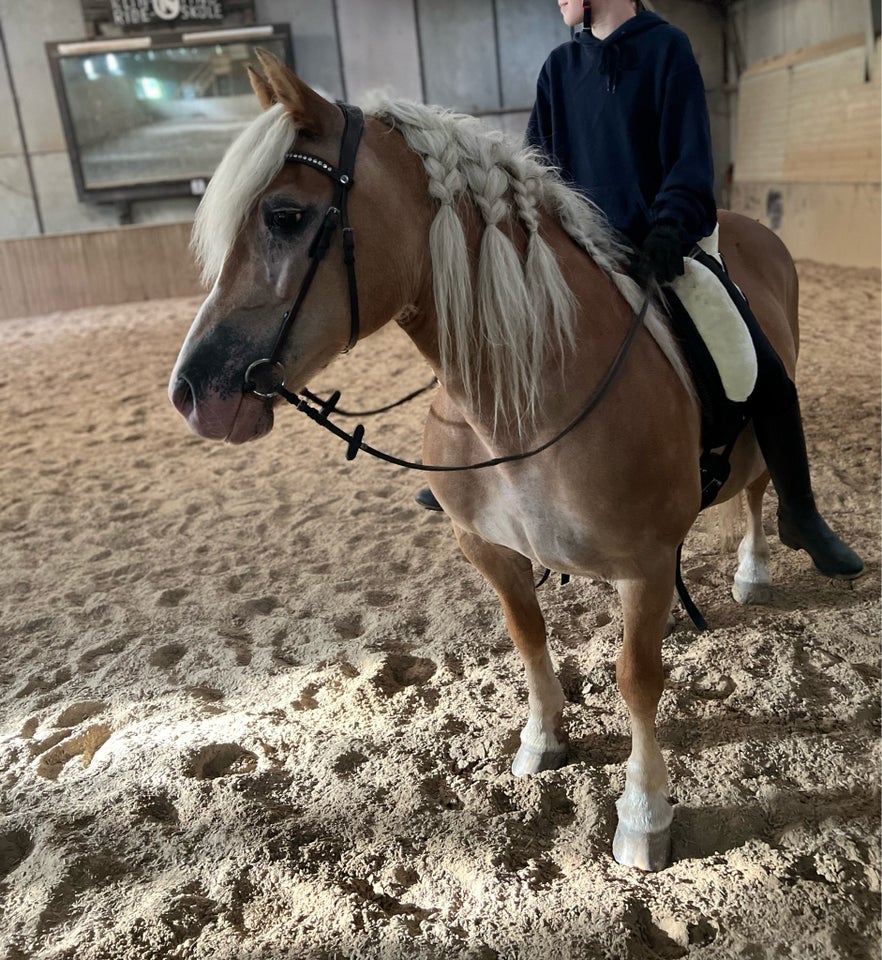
pixel 61 210
pixel 10 135
pixel 527 33
pixel 380 48
pixel 26 26
pixel 18 217
pixel 314 38
pixel 458 47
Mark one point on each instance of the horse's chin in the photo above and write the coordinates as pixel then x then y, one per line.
pixel 236 420
pixel 254 419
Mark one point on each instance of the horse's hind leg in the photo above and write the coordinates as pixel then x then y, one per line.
pixel 543 741
pixel 752 583
pixel 643 835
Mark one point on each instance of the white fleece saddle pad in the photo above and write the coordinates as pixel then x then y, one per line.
pixel 719 323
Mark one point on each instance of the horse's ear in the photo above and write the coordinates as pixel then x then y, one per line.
pixel 261 88
pixel 310 111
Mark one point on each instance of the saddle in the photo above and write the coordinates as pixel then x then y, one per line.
pixel 711 319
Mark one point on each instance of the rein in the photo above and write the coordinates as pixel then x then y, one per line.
pixel 355 441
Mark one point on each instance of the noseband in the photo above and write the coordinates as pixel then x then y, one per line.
pixel 266 377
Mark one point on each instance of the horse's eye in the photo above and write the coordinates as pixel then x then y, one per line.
pixel 284 222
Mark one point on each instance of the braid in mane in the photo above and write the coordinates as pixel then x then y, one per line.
pixel 500 326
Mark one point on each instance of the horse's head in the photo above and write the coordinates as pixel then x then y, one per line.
pixel 256 235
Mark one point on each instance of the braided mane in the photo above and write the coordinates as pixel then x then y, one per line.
pixel 504 325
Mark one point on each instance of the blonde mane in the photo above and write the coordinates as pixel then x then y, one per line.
pixel 248 167
pixel 499 326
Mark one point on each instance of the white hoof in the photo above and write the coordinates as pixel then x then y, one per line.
pixel 747 592
pixel 645 851
pixel 529 761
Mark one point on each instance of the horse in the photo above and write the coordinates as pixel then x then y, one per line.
pixel 514 289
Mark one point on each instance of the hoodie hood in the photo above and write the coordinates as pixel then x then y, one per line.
pixel 614 51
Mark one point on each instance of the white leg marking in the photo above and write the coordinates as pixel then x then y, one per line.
pixel 752 582
pixel 543 741
pixel 643 836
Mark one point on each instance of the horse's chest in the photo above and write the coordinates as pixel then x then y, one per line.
pixel 524 517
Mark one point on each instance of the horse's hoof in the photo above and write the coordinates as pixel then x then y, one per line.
pixel 746 592
pixel 645 851
pixel 531 761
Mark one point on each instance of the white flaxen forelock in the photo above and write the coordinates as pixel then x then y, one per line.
pixel 246 170
pixel 500 324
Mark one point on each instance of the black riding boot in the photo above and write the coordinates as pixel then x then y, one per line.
pixel 800 526
pixel 425 498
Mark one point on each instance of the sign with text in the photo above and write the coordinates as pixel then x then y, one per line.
pixel 126 15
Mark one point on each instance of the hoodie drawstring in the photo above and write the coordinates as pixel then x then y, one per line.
pixel 611 66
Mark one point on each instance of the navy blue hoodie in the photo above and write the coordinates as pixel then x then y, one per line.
pixel 625 119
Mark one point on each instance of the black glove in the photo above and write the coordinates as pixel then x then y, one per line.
pixel 661 255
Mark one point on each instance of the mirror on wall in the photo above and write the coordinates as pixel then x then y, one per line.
pixel 151 116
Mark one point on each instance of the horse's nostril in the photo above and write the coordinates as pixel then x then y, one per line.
pixel 182 397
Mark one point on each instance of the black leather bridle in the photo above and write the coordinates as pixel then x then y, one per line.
pixel 265 377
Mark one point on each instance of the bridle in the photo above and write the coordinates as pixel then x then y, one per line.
pixel 265 377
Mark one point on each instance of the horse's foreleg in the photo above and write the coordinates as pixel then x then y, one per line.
pixel 543 741
pixel 643 835
pixel 752 583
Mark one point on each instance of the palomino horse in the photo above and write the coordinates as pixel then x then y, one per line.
pixel 510 286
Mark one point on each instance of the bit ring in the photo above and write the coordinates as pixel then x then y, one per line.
pixel 266 385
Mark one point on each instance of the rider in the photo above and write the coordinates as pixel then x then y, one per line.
pixel 621 112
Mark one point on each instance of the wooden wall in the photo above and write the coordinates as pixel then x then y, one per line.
pixel 40 275
pixel 808 157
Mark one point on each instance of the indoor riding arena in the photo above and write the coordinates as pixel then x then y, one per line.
pixel 255 704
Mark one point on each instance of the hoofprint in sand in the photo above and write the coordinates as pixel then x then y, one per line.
pixel 255 704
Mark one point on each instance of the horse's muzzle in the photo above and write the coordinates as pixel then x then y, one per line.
pixel 182 397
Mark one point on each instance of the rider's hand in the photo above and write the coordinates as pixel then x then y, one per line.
pixel 661 256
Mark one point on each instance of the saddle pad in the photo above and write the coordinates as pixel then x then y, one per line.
pixel 719 323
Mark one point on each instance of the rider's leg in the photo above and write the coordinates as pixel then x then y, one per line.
pixel 774 407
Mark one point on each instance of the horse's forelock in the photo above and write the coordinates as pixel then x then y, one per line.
pixel 246 170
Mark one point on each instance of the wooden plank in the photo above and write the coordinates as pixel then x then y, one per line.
pixel 834 125
pixel 814 52
pixel 61 272
pixel 811 121
pixel 763 105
